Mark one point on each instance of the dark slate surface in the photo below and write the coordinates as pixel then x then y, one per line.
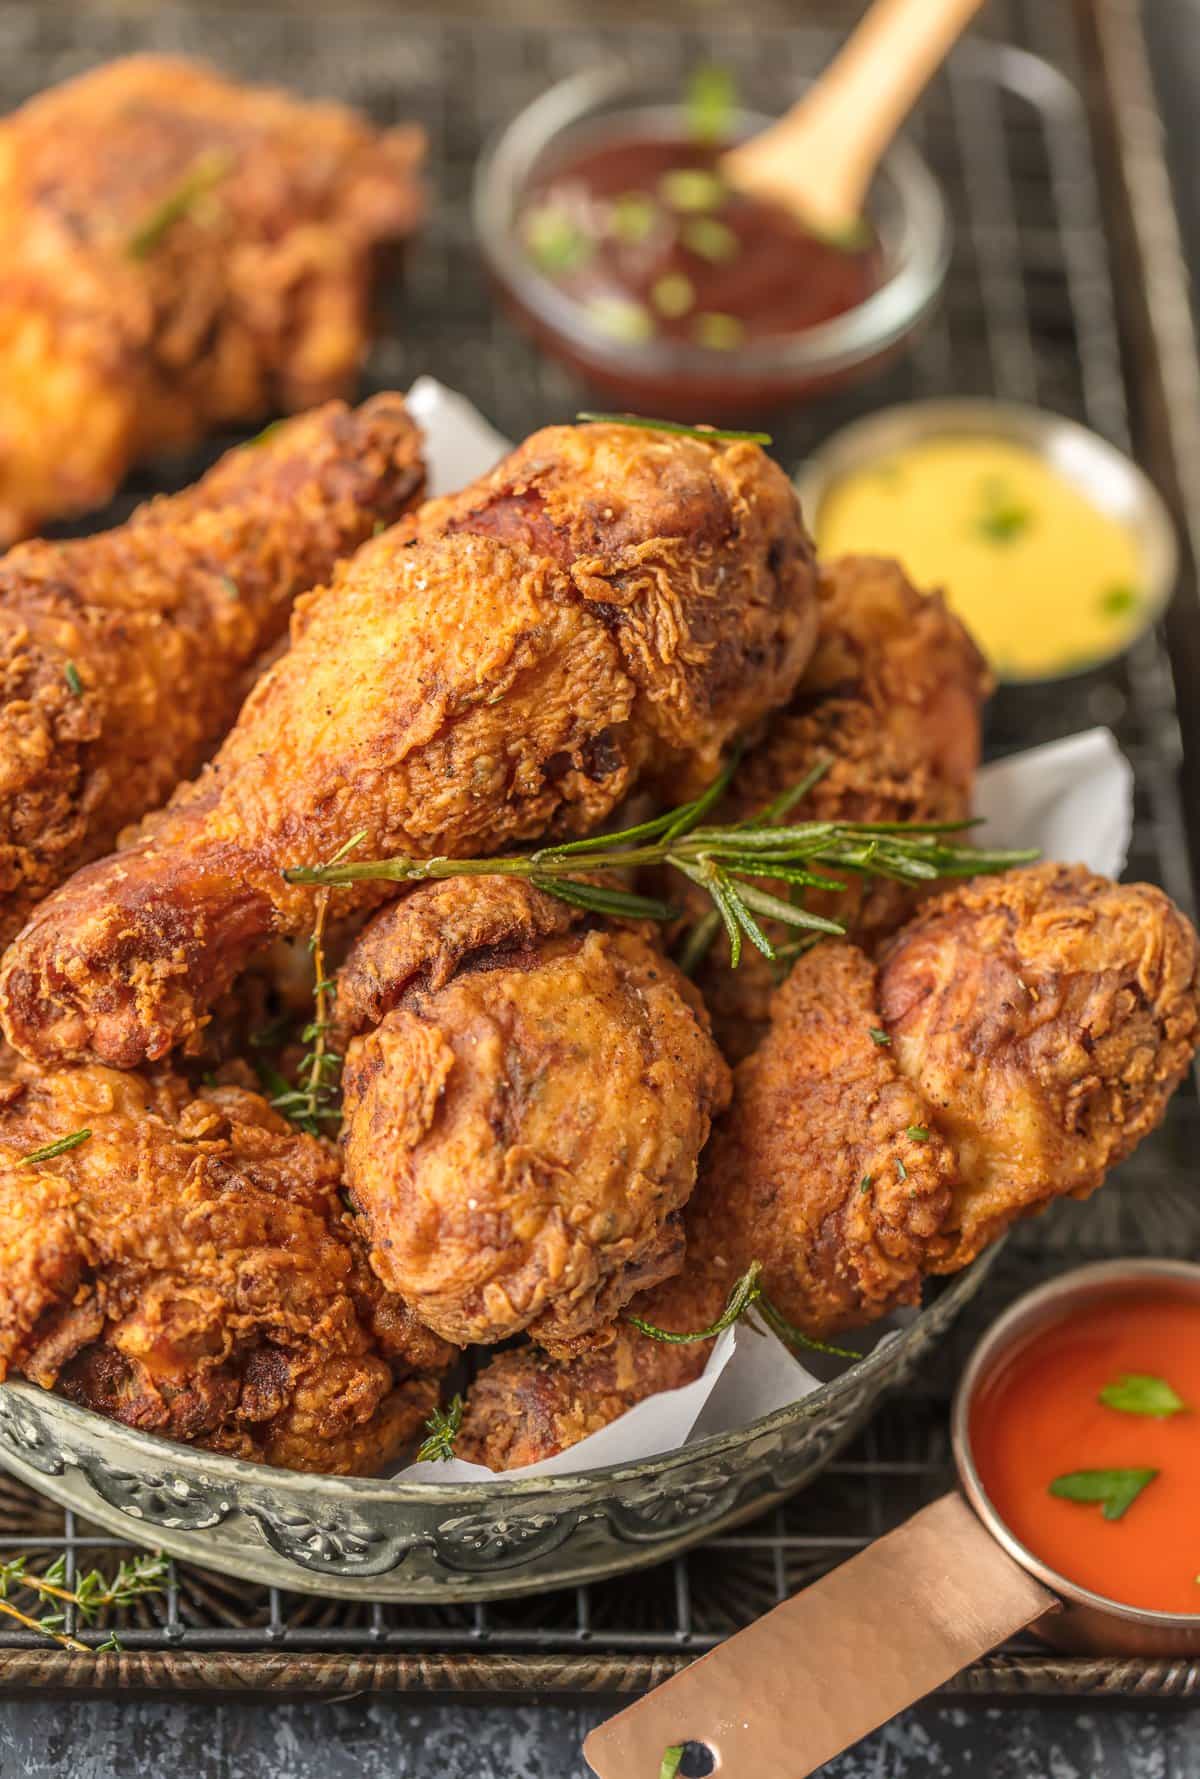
pixel 381 1740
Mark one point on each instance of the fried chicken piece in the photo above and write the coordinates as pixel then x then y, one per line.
pixel 1046 1016
pixel 1030 1031
pixel 189 1270
pixel 178 252
pixel 523 1112
pixel 123 656
pixel 611 604
pixel 892 698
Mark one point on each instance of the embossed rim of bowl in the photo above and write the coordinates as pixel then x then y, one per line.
pixel 1036 1309
pixel 1118 487
pixel 157 1452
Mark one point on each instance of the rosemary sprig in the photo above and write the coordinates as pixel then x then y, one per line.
pixel 443 1425
pixel 746 1295
pixel 199 180
pixel 313 1102
pixel 723 861
pixel 91 1595
pixel 61 1147
pixel 708 434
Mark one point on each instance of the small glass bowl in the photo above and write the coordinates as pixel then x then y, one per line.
pixel 671 378
pixel 1086 1623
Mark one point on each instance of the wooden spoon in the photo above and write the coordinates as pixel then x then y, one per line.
pixel 819 159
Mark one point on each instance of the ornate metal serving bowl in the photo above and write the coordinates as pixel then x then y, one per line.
pixel 378 1539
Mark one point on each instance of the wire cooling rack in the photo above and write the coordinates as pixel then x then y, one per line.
pixel 1028 314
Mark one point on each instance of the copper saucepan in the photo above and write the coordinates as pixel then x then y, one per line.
pixel 903 1616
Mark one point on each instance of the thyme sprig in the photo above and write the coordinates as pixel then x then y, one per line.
pixel 747 1295
pixel 724 861
pixel 91 1595
pixel 314 1101
pixel 443 1425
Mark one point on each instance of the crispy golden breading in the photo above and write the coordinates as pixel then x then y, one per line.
pixel 892 698
pixel 611 604
pixel 123 656
pixel 1031 1029
pixel 524 1113
pixel 525 1406
pixel 177 252
pixel 189 1270
pixel 1046 1016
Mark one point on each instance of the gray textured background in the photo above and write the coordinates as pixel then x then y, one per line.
pixel 379 1740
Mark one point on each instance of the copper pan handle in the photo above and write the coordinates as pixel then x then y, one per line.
pixel 837 1660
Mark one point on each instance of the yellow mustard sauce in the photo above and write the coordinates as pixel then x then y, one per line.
pixel 1044 580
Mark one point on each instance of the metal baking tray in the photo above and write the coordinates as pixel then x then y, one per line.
pixel 1050 193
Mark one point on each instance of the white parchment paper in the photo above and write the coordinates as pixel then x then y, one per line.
pixel 1072 800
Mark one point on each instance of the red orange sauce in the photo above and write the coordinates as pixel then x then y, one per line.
pixel 1038 1416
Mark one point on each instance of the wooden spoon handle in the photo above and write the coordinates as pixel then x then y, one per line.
pixel 847 1653
pixel 820 157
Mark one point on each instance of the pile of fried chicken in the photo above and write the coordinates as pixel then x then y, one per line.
pixel 546 1127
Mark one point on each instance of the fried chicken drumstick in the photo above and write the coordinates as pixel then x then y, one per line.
pixel 177 252
pixel 610 605
pixel 892 701
pixel 123 656
pixel 1015 1041
pixel 524 1111
pixel 188 1269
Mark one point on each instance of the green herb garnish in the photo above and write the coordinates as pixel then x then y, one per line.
pixel 719 333
pixel 918 1133
pixel 92 1594
pixel 1116 602
pixel 711 98
pixel 877 1035
pixel 555 240
pixel 622 319
pixel 1137 1393
pixel 901 1172
pixel 61 1147
pixel 710 435
pixel 709 239
pixel 632 217
pixel 208 171
pixel 691 189
pixel 74 683
pixel 864 1185
pixel 1003 516
pixel 268 432
pixel 1114 1490
pixel 314 1101
pixel 746 1295
pixel 672 295
pixel 443 1425
pixel 722 861
pixel 672 1756
pixel 230 586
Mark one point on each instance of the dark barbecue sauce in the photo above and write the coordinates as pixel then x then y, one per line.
pixel 645 235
